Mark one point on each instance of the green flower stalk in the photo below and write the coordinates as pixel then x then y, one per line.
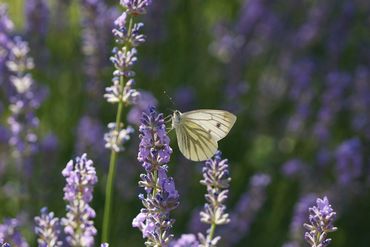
pixel 127 35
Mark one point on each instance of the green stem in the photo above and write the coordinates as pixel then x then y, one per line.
pixel 111 176
pixel 212 231
pixel 113 159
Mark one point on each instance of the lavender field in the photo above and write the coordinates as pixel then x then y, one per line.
pixel 88 152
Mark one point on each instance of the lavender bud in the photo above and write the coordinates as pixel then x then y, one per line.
pixel 116 139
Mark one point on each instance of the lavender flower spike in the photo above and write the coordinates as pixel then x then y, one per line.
pixel 321 220
pixel 216 178
pixel 25 99
pixel 9 232
pixel 161 195
pixel 78 225
pixel 47 229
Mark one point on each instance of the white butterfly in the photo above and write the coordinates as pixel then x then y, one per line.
pixel 199 131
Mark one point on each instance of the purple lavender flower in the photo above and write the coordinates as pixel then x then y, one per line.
pixel 97 24
pixel 161 195
pixel 47 229
pixel 25 99
pixel 332 103
pixel 37 15
pixel 301 94
pixel 246 209
pixel 37 25
pixel 6 27
pixel 349 161
pixel 78 192
pixel 216 178
pixel 154 149
pixel 360 100
pixel 9 232
pixel 321 220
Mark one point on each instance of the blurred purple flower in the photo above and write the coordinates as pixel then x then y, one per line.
pixel 161 195
pixel 349 161
pixel 97 21
pixel 78 192
pixel 293 167
pixel 321 221
pixel 47 229
pixel 301 94
pixel 37 20
pixel 331 103
pixel 360 100
pixel 299 217
pixel 184 97
pixel 246 209
pixel 186 240
pixel 90 133
pixel 9 232
pixel 37 17
pixel 226 44
pixel 6 27
pixel 24 99
pixel 144 102
pixel 49 144
pixel 310 29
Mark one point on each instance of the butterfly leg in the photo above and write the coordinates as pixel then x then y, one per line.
pixel 168 118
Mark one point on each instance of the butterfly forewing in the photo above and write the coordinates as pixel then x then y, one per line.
pixel 216 122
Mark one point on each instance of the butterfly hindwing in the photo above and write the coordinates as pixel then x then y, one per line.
pixel 216 122
pixel 195 143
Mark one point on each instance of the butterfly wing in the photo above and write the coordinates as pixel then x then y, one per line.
pixel 195 143
pixel 216 122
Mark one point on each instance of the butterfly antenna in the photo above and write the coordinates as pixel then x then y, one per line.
pixel 170 98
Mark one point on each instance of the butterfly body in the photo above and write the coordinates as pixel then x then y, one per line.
pixel 199 131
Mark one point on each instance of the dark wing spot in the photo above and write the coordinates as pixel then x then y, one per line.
pixel 218 125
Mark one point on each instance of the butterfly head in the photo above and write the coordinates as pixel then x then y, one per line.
pixel 176 118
